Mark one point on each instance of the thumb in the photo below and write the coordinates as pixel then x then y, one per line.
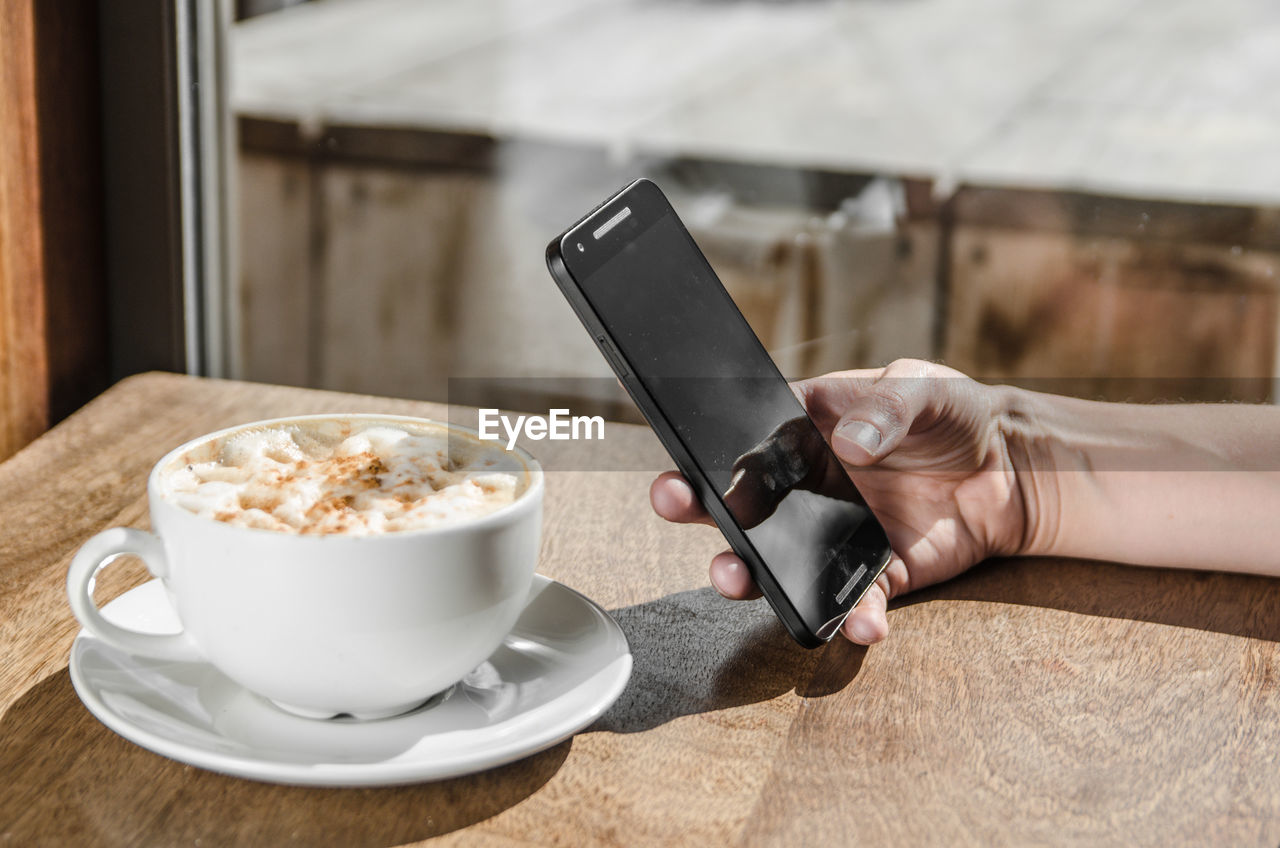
pixel 877 418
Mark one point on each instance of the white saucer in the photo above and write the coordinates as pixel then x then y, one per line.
pixel 565 662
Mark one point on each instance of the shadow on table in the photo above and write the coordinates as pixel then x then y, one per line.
pixel 71 781
pixel 695 652
pixel 1232 604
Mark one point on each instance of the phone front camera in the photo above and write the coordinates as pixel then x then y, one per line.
pixel 581 249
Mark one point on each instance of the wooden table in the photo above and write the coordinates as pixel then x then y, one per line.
pixel 1030 701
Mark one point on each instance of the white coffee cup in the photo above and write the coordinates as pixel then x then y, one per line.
pixel 369 626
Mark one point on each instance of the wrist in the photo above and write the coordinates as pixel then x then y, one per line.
pixel 1035 453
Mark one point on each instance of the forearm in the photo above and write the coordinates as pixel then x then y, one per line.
pixel 1191 486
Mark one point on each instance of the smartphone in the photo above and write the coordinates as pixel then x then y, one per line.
pixel 702 379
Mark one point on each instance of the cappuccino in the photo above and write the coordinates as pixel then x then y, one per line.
pixel 363 620
pixel 346 477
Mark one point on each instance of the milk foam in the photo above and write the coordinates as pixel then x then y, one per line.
pixel 343 477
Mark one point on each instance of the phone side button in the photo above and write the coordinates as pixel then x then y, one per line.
pixel 619 367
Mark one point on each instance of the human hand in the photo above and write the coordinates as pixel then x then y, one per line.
pixel 934 453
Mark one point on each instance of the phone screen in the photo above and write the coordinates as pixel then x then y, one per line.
pixel 687 344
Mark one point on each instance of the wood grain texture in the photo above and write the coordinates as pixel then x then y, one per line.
pixel 411 281
pixel 1111 317
pixel 274 298
pixel 23 359
pixel 1028 702
pixel 52 289
pixel 386 277
pixel 827 293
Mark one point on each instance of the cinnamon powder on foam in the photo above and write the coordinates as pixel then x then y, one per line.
pixel 382 478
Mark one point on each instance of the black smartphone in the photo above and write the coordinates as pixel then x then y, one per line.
pixel 705 383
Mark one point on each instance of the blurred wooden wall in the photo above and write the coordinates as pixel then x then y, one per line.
pixel 53 345
pixel 1114 298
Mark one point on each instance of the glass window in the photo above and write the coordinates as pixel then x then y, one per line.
pixel 1080 196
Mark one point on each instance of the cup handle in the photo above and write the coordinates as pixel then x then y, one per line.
pixel 98 552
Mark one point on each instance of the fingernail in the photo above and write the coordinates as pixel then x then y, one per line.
pixel 863 631
pixel 861 434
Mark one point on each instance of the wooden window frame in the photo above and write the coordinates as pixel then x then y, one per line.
pixel 114 151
